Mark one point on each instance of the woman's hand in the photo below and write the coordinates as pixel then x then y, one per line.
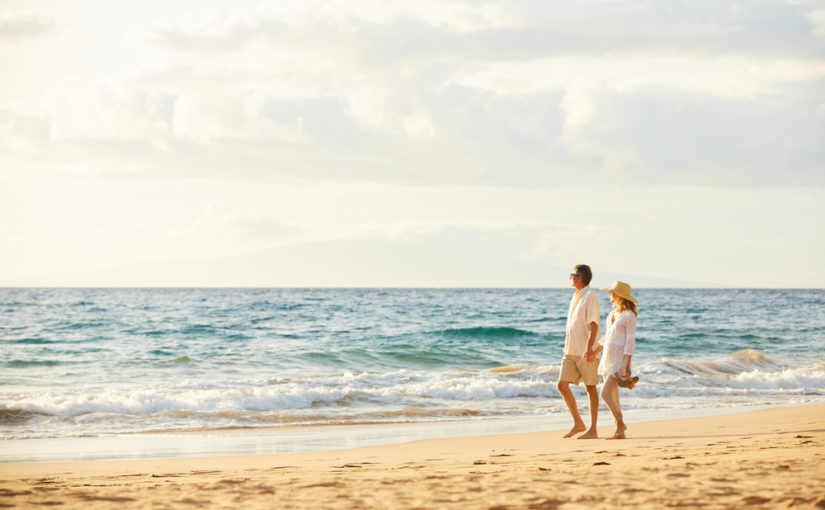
pixel 624 372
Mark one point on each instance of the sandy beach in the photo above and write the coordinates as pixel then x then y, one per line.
pixel 762 459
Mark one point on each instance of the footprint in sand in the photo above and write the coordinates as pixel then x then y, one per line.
pixel 112 499
pixel 194 502
pixel 229 481
pixel 631 490
pixel 547 503
pixel 322 484
pixel 755 500
pixel 10 493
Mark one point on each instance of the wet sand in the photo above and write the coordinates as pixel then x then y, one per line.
pixel 772 458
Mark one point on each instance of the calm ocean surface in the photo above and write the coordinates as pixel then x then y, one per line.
pixel 95 363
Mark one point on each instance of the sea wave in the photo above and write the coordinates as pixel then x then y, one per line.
pixel 738 362
pixel 392 395
pixel 22 363
pixel 348 390
pixel 743 372
pixel 482 333
pixel 16 416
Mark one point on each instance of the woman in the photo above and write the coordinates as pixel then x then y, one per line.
pixel 618 344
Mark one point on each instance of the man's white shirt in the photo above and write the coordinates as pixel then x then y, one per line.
pixel 579 315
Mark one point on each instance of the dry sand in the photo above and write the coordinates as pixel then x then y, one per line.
pixel 772 458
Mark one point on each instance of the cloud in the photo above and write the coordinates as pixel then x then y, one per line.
pixel 213 31
pixel 489 30
pixel 210 120
pixel 17 27
pixel 671 136
pixel 817 17
pixel 524 94
pixel 22 133
pixel 302 22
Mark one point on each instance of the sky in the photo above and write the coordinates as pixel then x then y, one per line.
pixel 412 143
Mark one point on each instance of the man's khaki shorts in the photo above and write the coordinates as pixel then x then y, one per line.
pixel 575 369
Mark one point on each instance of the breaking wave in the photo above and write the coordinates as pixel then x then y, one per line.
pixel 402 395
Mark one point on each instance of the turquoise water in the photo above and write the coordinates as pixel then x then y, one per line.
pixel 103 362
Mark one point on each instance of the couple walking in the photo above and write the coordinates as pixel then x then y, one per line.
pixel 582 348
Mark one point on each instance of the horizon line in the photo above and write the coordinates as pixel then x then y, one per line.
pixel 333 287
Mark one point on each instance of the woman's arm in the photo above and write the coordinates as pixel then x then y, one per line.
pixel 624 373
pixel 629 344
pixel 630 334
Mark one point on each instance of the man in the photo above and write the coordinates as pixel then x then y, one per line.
pixel 579 362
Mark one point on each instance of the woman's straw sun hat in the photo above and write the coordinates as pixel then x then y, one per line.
pixel 622 289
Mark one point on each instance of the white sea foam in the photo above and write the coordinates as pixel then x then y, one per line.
pixel 401 395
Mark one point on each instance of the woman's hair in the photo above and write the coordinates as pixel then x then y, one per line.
pixel 626 304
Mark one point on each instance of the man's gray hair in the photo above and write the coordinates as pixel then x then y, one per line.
pixel 584 271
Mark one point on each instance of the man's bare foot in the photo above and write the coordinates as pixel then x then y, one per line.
pixel 575 430
pixel 591 434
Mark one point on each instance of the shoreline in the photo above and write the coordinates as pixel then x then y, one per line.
pixel 308 438
pixel 761 459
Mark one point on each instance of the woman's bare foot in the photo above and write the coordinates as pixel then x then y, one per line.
pixel 620 430
pixel 575 430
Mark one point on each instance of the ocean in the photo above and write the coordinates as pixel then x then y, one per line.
pixel 127 373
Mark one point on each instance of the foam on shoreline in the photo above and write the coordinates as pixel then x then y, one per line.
pixel 302 439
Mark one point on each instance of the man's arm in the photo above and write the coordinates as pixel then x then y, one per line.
pixel 593 317
pixel 590 355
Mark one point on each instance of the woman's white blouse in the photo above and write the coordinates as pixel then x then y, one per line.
pixel 618 340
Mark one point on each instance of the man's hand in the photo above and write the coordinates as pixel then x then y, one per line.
pixel 590 356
